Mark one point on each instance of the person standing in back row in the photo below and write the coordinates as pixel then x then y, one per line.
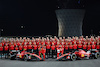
pixel 75 46
pixel 66 48
pixel 85 46
pixel 30 47
pixel 1 50
pixel 35 48
pixel 93 45
pixel 88 46
pixel 70 47
pixel 53 49
pixel 98 46
pixel 6 50
pixel 48 46
pixel 80 45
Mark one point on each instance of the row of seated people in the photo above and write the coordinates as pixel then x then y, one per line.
pixel 45 45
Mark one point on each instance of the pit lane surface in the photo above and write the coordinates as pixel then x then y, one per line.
pixel 50 63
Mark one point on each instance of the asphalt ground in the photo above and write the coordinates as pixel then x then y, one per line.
pixel 50 63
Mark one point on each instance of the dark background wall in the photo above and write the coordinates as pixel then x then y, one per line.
pixel 39 18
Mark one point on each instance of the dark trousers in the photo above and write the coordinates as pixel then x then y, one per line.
pixel 21 50
pixel 85 49
pixel 6 53
pixel 70 50
pixel 75 50
pixel 48 52
pixel 66 51
pixel 53 53
pixel 1 52
pixel 80 48
pixel 29 50
pixel 98 50
pixel 35 51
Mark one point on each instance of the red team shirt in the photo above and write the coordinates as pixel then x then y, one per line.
pixel 93 46
pixel 98 47
pixel 1 48
pixel 16 48
pixel 6 48
pixel 84 46
pixel 80 46
pixel 88 47
pixel 29 46
pixel 25 47
pixel 48 46
pixel 11 47
pixel 20 47
pixel 70 46
pixel 53 47
pixel 66 47
pixel 75 46
pixel 35 47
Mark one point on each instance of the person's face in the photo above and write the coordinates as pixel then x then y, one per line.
pixel 97 43
pixel 79 41
pixel 35 43
pixel 52 43
pixel 74 42
pixel 25 43
pixel 92 42
pixel 30 43
pixel 62 42
pixel 57 42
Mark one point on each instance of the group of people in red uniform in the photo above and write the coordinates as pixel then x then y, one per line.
pixel 50 45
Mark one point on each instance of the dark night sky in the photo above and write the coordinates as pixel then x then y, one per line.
pixel 92 18
pixel 39 18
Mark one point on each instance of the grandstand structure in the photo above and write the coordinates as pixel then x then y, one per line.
pixel 70 15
